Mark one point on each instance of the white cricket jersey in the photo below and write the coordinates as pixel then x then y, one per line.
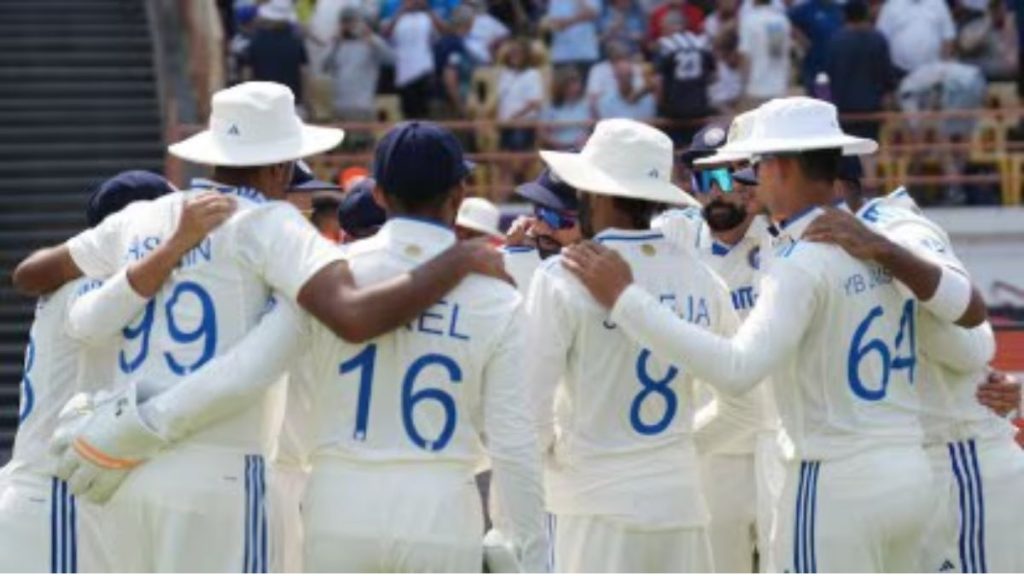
pixel 729 424
pixel 953 360
pixel 57 366
pixel 616 420
pixel 520 263
pixel 214 297
pixel 836 335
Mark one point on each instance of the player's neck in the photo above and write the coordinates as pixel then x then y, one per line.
pixel 806 195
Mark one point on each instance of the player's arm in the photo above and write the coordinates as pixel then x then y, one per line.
pixel 548 337
pixel 101 313
pixel 734 365
pixel 958 349
pixel 45 270
pixel 517 496
pixel 945 291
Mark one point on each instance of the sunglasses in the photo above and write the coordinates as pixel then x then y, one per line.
pixel 703 179
pixel 554 219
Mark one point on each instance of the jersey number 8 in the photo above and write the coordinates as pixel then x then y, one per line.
pixel 650 385
pixel 859 350
pixel 365 362
pixel 206 331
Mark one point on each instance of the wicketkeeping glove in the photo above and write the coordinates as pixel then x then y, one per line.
pixel 99 440
pixel 500 556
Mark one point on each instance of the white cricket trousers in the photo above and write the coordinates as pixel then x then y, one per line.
pixel 979 508
pixel 191 509
pixel 392 517
pixel 862 513
pixel 287 486
pixel 584 543
pixel 43 528
pixel 742 492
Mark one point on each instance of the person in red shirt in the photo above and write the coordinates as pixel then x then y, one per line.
pixel 693 17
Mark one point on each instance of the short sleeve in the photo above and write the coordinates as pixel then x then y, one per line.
pixel 96 251
pixel 946 26
pixel 279 245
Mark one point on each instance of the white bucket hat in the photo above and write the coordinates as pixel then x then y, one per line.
pixel 254 124
pixel 622 158
pixel 480 215
pixel 798 124
pixel 278 11
pixel 740 129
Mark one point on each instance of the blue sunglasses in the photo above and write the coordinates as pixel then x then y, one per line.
pixel 703 179
pixel 554 219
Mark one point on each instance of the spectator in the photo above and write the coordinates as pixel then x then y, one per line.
pixel 455 65
pixel 692 15
pixel 390 9
pixel 919 32
pixel 238 47
pixel 625 101
pixel 764 48
pixel 814 23
pixel 277 52
pixel 412 31
pixel 685 68
pixel 859 69
pixel 573 25
pixel 520 95
pixel 567 105
pixel 723 20
pixel 323 25
pixel 486 33
pixel 354 62
pixel 726 90
pixel 989 42
pixel 601 78
pixel 623 23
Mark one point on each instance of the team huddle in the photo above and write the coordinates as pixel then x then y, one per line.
pixel 772 374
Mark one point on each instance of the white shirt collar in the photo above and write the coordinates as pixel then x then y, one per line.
pixel 794 226
pixel 417 238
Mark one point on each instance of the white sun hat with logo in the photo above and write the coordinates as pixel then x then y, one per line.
pixel 622 158
pixel 255 124
pixel 799 124
pixel 740 129
pixel 480 215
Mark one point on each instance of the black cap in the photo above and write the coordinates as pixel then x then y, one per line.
pixel 850 169
pixel 304 180
pixel 115 193
pixel 550 192
pixel 745 176
pixel 328 200
pixel 358 212
pixel 419 160
pixel 705 142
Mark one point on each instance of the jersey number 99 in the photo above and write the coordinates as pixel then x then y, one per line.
pixel 205 331
pixel 365 362
pixel 859 350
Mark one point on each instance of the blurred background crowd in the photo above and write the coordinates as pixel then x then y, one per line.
pixel 533 73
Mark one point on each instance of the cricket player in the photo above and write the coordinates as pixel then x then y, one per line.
pixel 838 337
pixel 615 419
pixel 43 528
pixel 201 506
pixel 978 468
pixel 737 437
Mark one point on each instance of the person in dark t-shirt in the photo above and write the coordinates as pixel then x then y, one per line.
pixel 685 66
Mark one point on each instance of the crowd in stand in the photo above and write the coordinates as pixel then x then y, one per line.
pixel 555 62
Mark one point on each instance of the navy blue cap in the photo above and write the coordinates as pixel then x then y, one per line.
pixel 418 160
pixel 358 212
pixel 850 169
pixel 550 192
pixel 121 190
pixel 304 180
pixel 705 142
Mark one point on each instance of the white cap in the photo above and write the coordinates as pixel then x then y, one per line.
pixel 255 124
pixel 622 158
pixel 799 124
pixel 739 130
pixel 278 11
pixel 480 215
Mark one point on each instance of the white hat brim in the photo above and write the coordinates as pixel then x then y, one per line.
pixel 721 157
pixel 851 145
pixel 477 227
pixel 203 148
pixel 580 173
